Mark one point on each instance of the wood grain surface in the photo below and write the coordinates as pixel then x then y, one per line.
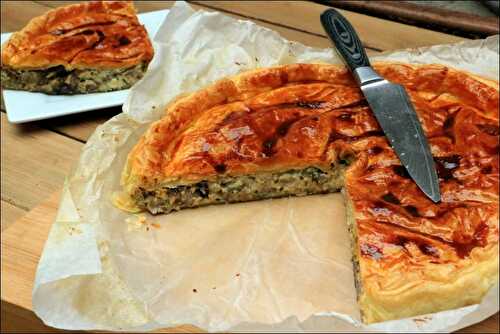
pixel 36 157
pixel 451 20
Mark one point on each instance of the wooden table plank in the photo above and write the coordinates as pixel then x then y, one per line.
pixel 10 213
pixel 34 163
pixel 20 320
pixel 489 325
pixel 18 267
pixel 80 126
pixel 289 33
pixel 374 32
pixel 463 23
pixel 24 11
pixel 378 34
pixel 21 248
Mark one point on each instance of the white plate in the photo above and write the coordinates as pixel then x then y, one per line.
pixel 26 106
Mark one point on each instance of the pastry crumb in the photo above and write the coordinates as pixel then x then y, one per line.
pixel 139 221
pixel 74 230
pixel 136 222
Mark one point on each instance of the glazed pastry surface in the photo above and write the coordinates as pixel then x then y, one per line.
pixel 411 256
pixel 97 34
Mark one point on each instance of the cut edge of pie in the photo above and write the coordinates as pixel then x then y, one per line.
pixel 89 47
pixel 466 286
pixel 410 256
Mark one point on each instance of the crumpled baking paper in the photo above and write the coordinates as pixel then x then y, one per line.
pixel 274 265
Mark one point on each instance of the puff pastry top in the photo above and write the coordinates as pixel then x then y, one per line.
pixel 410 249
pixel 98 34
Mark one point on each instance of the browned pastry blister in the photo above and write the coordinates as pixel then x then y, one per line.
pixel 80 48
pixel 306 129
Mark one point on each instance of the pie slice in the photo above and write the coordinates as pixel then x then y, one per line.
pixel 91 47
pixel 306 129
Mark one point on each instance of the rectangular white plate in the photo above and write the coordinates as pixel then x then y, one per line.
pixel 26 106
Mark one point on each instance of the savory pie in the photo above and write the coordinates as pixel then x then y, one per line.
pixel 95 46
pixel 306 129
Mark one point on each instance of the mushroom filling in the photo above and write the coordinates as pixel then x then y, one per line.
pixel 230 189
pixel 58 80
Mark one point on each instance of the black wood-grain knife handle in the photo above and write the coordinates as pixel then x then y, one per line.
pixel 344 38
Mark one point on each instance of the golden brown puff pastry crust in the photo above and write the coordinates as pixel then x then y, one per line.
pixel 97 34
pixel 413 256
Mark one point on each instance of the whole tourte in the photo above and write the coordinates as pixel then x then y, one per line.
pixel 306 129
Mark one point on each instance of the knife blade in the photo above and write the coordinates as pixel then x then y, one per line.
pixel 390 104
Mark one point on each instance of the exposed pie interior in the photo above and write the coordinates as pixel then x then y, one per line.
pixel 306 129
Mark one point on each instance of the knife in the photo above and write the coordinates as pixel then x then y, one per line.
pixel 390 104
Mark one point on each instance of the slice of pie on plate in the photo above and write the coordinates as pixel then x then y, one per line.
pixel 90 47
pixel 306 129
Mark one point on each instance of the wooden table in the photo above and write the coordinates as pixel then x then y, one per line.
pixel 36 157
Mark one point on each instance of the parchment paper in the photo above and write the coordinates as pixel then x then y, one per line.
pixel 282 264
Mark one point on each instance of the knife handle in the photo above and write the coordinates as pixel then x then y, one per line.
pixel 345 39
